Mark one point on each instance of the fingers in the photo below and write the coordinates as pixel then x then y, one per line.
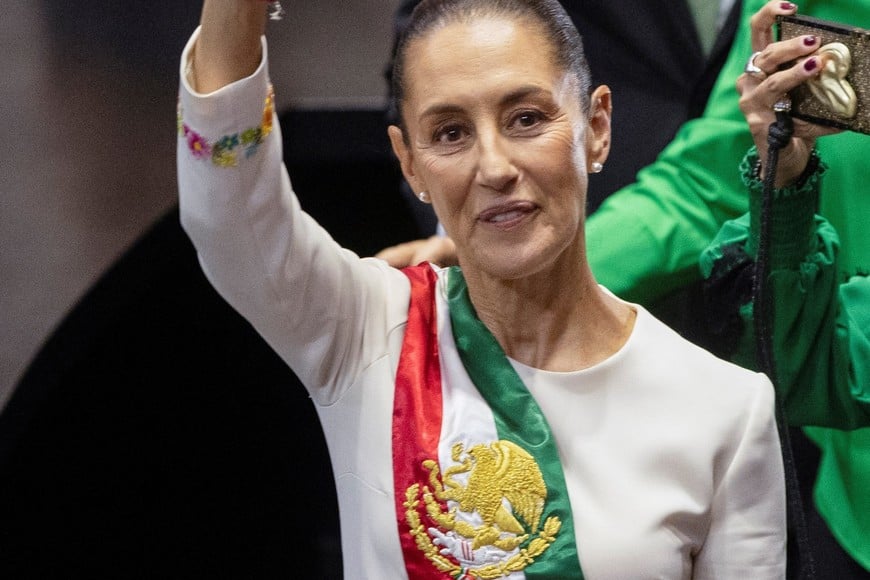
pixel 439 250
pixel 401 255
pixel 761 92
pixel 778 56
pixel 775 56
pixel 762 22
pixel 783 65
pixel 762 83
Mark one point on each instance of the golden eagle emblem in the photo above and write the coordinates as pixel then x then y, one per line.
pixel 492 527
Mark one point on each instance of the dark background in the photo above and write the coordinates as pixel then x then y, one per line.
pixel 87 162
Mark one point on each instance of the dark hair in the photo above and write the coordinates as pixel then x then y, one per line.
pixel 428 15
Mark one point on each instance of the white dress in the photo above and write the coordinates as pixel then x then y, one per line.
pixel 671 456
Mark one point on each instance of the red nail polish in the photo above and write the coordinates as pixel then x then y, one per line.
pixel 786 5
pixel 810 40
pixel 810 64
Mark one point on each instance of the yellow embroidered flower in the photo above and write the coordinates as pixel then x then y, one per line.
pixel 268 111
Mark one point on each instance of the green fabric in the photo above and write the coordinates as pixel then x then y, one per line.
pixel 518 419
pixel 646 239
pixel 813 368
pixel 793 234
pixel 841 492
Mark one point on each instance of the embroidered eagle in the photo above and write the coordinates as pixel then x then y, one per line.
pixel 496 472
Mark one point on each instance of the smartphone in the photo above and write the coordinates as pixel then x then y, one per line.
pixel 840 97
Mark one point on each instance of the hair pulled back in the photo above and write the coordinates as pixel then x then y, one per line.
pixel 429 15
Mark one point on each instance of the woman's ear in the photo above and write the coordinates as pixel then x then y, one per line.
pixel 598 132
pixel 406 159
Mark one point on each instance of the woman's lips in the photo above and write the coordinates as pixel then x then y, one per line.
pixel 508 214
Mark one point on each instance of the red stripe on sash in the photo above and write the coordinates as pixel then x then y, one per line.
pixel 417 410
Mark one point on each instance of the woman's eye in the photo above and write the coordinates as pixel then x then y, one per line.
pixel 451 134
pixel 526 120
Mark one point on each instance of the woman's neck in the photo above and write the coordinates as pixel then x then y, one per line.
pixel 555 320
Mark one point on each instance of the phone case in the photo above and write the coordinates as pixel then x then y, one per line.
pixel 841 96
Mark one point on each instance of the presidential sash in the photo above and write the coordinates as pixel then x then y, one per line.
pixel 479 487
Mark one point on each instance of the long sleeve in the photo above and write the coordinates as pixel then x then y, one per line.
pixel 323 310
pixel 746 538
pixel 821 325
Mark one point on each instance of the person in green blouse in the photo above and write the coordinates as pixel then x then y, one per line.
pixel 820 259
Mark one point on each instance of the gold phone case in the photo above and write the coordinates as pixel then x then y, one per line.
pixel 841 96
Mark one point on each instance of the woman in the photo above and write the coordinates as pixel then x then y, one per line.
pixel 511 417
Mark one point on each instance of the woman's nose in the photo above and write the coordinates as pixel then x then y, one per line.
pixel 495 167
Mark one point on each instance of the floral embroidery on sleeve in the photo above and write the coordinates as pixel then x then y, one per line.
pixel 225 151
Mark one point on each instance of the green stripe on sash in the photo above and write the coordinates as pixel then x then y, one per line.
pixel 518 420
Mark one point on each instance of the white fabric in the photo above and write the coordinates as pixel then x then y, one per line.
pixel 671 456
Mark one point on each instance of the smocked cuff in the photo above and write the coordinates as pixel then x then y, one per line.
pixel 793 210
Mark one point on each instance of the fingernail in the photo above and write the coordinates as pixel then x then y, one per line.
pixel 786 5
pixel 810 40
pixel 810 64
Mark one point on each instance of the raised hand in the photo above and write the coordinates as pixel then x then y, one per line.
pixel 764 84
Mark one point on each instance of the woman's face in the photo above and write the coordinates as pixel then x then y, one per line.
pixel 497 138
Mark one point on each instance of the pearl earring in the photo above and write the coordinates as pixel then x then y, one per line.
pixel 423 196
pixel 597 167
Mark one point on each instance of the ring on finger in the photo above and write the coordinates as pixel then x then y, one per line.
pixel 782 104
pixel 753 69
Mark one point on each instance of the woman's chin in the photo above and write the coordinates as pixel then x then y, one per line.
pixel 509 264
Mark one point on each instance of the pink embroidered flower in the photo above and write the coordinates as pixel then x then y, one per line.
pixel 197 144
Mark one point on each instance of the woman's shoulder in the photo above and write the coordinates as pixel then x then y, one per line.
pixel 662 351
pixel 698 394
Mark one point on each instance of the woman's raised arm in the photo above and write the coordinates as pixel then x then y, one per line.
pixel 228 48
